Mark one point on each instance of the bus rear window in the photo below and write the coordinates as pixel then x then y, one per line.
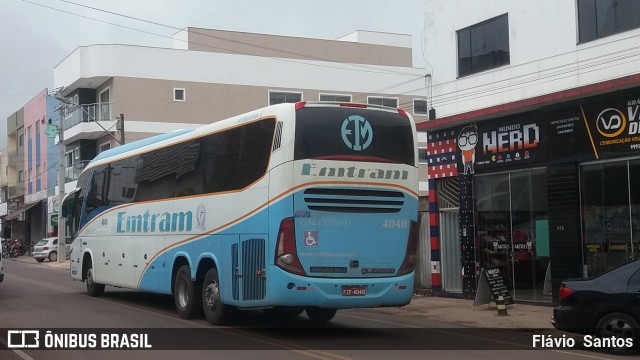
pixel 355 134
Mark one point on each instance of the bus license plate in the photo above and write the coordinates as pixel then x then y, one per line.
pixel 354 290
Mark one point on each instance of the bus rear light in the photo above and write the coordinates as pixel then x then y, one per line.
pixel 410 257
pixel 354 105
pixel 300 105
pixel 286 252
pixel 403 113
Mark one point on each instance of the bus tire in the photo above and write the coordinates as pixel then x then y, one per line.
pixel 321 315
pixel 215 311
pixel 93 288
pixel 185 294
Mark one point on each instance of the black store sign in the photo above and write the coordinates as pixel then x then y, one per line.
pixel 511 141
pixel 600 128
pixel 613 126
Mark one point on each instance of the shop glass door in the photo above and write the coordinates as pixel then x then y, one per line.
pixel 513 229
pixel 610 214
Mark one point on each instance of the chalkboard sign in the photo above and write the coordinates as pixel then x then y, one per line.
pixel 490 286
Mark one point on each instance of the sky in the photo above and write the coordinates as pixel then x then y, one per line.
pixel 36 35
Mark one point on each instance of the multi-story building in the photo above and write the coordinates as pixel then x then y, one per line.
pixel 29 170
pixel 534 151
pixel 13 188
pixel 210 75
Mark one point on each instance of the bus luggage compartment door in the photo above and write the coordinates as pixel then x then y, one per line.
pixel 248 264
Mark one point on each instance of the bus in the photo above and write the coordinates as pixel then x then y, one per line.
pixel 1 267
pixel 290 208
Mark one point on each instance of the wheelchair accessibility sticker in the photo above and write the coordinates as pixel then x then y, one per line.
pixel 310 238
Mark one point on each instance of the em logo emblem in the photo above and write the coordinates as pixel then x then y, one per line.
pixel 357 133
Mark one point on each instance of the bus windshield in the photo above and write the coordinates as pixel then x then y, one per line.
pixel 349 133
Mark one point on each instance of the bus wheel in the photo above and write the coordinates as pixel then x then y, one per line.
pixel 185 294
pixel 215 311
pixel 321 315
pixel 94 289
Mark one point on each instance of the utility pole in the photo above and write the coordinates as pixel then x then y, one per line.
pixel 62 253
pixel 121 125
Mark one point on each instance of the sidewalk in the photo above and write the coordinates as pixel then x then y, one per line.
pixel 453 311
pixel 30 260
pixel 462 312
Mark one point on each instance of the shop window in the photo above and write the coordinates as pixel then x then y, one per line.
pixel 606 227
pixel 513 231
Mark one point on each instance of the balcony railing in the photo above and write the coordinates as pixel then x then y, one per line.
pixel 71 173
pixel 15 191
pixel 13 157
pixel 75 114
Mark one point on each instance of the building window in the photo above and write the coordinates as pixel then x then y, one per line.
pixel 104 99
pixel 38 179
pixel 483 46
pixel 106 146
pixel 336 98
pixel 20 176
pixel 21 140
pixel 179 94
pixel 600 18
pixel 383 101
pixel 420 107
pixel 422 147
pixel 76 153
pixel 279 97
pixel 68 158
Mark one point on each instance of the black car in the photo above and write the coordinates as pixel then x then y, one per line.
pixel 604 306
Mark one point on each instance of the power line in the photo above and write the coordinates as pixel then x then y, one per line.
pixel 352 67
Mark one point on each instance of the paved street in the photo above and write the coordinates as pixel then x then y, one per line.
pixel 41 296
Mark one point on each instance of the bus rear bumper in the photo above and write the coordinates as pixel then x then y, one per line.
pixel 341 293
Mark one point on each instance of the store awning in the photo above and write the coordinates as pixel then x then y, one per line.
pixel 14 215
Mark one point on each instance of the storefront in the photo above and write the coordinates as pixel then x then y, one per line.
pixel 543 195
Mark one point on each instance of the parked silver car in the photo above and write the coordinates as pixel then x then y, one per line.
pixel 47 248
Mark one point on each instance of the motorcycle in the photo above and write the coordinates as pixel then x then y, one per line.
pixel 14 250
pixel 5 249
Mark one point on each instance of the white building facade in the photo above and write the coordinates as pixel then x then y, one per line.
pixel 534 151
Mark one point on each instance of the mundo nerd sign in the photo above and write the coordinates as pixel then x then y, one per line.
pixel 506 142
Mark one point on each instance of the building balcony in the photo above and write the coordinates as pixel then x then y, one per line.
pixel 71 173
pixel 76 114
pixel 13 157
pixel 15 191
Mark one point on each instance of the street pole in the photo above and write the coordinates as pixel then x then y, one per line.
pixel 62 253
pixel 121 129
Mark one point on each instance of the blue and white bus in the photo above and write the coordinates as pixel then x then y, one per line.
pixel 292 207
